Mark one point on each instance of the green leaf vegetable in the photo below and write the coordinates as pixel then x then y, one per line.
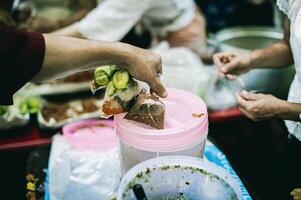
pixel 30 105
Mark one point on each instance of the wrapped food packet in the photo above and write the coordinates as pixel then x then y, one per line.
pixel 121 90
pixel 148 110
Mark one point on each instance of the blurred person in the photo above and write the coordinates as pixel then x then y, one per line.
pixel 45 22
pixel 177 21
pixel 262 106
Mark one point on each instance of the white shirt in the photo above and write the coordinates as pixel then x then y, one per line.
pixel 292 8
pixel 112 19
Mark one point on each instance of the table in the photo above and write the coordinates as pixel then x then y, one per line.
pixel 33 136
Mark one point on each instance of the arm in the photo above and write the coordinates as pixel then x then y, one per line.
pixel 109 21
pixel 64 55
pixel 276 56
pixel 262 106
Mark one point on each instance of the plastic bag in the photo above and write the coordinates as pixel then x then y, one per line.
pixel 148 110
pixel 220 94
pixel 121 90
pixel 84 174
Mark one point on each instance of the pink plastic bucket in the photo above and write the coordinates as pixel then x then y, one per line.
pixel 95 134
pixel 185 132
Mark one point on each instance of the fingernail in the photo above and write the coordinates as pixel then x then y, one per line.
pixel 164 94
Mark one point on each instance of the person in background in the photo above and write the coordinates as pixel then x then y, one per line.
pixel 262 106
pixel 45 23
pixel 178 22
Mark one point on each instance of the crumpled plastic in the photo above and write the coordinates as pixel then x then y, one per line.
pixel 84 174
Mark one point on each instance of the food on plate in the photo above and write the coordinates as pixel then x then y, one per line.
pixel 148 110
pixel 79 77
pixel 30 105
pixel 60 111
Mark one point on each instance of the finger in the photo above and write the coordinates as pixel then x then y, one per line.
pixel 217 60
pixel 231 77
pixel 251 96
pixel 241 102
pixel 229 67
pixel 244 112
pixel 158 87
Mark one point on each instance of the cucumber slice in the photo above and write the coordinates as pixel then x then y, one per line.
pixel 111 90
pixel 30 105
pixel 34 104
pixel 102 75
pixel 101 80
pixel 121 79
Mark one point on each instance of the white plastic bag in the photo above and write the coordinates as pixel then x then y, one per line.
pixel 84 174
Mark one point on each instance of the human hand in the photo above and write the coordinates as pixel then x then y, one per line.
pixel 231 64
pixel 259 106
pixel 296 193
pixel 146 66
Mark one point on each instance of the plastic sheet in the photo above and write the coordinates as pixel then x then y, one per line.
pixel 85 174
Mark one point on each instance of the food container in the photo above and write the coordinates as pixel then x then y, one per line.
pixel 246 39
pixel 180 177
pixel 185 131
pixel 13 118
pixel 74 83
pixel 85 162
pixel 54 115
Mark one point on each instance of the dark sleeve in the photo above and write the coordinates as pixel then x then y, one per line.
pixel 21 58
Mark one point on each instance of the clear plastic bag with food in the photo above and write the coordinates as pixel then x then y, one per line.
pixel 149 110
pixel 121 90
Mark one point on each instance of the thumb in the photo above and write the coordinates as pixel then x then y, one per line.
pixel 229 67
pixel 157 86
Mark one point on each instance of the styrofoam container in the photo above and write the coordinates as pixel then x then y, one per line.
pixel 185 131
pixel 180 177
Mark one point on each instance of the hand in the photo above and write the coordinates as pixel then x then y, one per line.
pixel 146 66
pixel 231 64
pixel 296 193
pixel 259 106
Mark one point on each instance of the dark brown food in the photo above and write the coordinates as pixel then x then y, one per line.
pixel 148 110
pixel 79 77
pixel 195 115
pixel 60 111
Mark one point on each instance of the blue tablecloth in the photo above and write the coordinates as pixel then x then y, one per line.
pixel 212 154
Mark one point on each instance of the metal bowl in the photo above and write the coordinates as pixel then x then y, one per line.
pixel 246 39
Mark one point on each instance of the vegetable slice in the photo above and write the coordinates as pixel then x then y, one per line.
pixel 121 79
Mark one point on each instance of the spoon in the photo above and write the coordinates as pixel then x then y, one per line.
pixel 139 192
